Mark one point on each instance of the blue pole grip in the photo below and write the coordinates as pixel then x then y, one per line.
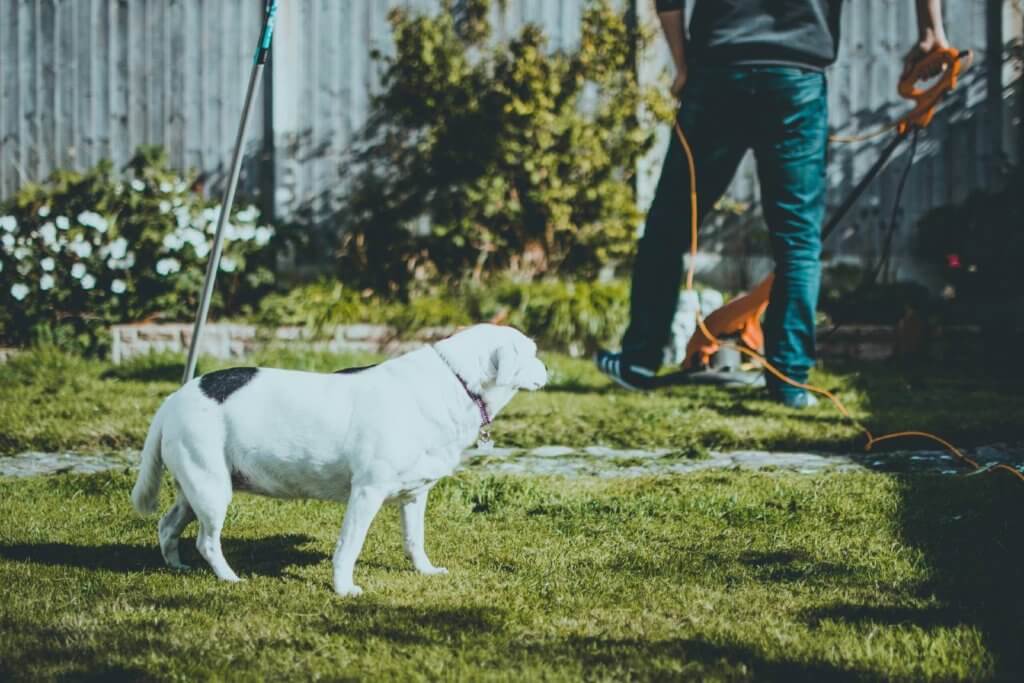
pixel 263 47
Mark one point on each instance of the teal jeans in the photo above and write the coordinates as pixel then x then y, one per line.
pixel 781 113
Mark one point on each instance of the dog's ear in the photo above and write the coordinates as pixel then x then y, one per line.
pixel 506 359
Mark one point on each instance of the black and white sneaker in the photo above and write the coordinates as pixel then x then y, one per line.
pixel 632 377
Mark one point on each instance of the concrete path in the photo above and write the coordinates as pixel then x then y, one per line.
pixel 601 461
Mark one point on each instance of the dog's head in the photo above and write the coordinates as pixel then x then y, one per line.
pixel 488 356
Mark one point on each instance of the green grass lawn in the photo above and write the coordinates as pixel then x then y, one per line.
pixel 727 576
pixel 52 401
pixel 724 576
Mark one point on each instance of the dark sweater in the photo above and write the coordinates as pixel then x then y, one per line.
pixel 792 32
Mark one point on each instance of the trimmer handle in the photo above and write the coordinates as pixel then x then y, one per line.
pixel 951 62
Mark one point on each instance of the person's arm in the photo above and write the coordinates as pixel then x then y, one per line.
pixel 930 33
pixel 671 15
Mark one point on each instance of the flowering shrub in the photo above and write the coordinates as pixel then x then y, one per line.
pixel 86 249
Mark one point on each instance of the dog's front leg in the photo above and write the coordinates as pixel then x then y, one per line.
pixel 413 513
pixel 363 504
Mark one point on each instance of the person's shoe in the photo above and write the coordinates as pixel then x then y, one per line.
pixel 632 377
pixel 804 399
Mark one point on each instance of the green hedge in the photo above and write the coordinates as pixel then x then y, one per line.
pixel 569 316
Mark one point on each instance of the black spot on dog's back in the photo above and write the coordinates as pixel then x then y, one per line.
pixel 219 385
pixel 351 371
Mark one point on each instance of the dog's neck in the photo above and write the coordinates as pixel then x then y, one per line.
pixel 481 403
pixel 478 398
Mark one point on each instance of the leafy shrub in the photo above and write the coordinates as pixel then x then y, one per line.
pixel 977 244
pixel 86 249
pixel 574 316
pixel 517 158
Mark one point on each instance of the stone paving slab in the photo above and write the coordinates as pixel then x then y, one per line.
pixel 602 461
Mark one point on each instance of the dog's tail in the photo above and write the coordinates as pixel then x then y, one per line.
pixel 146 493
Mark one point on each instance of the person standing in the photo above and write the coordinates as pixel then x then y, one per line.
pixel 751 75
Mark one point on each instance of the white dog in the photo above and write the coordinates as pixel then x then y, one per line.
pixel 369 435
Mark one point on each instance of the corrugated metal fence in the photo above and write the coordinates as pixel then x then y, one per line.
pixel 82 80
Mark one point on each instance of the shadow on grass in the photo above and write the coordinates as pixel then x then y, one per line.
pixel 158 368
pixel 682 658
pixel 787 566
pixel 599 657
pixel 404 625
pixel 970 531
pixel 885 615
pixel 269 556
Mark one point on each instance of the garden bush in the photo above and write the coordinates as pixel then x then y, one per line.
pixel 564 316
pixel 87 249
pixel 486 156
pixel 977 244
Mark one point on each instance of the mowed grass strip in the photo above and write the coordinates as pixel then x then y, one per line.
pixel 723 576
pixel 51 401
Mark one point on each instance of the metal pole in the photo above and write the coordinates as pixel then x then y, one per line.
pixel 259 60
pixel 857 191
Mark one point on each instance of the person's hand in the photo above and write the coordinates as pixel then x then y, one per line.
pixel 679 83
pixel 922 49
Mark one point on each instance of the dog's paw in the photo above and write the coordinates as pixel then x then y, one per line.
pixel 432 571
pixel 348 591
pixel 179 567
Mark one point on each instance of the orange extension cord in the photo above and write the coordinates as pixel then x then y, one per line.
pixel 872 439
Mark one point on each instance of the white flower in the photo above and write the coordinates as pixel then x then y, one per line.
pixel 165 206
pixel 122 264
pixel 9 223
pixel 118 248
pixel 228 265
pixel 173 241
pixel 194 237
pixel 248 214
pixel 138 185
pixel 167 266
pixel 166 186
pixel 202 249
pixel 49 234
pixel 230 232
pixel 263 235
pixel 24 268
pixel 78 271
pixel 180 186
pixel 81 248
pixel 8 241
pixel 118 286
pixel 44 211
pixel 211 215
pixel 63 223
pixel 91 219
pixel 21 252
pixel 183 217
pixel 19 290
pixel 46 282
pixel 88 282
pixel 47 264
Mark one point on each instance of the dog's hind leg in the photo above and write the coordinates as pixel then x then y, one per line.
pixel 413 513
pixel 363 504
pixel 207 486
pixel 170 528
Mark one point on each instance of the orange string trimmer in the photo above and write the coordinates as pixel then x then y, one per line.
pixel 871 438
